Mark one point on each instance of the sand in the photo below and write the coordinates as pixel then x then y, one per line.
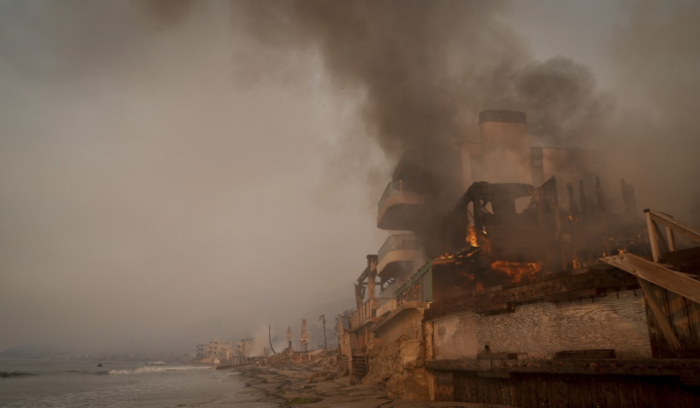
pixel 291 386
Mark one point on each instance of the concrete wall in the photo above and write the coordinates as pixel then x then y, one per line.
pixel 542 329
pixel 408 324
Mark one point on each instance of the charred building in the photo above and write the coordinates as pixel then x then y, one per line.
pixel 514 282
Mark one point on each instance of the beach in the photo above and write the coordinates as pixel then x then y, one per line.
pixel 298 386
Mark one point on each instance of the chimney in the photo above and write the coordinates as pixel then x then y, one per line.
pixel 505 147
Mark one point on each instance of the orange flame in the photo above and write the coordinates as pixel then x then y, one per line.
pixel 471 236
pixel 517 271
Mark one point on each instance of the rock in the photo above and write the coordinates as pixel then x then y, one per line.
pixel 411 354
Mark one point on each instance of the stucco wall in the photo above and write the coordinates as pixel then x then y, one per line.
pixel 541 329
pixel 407 324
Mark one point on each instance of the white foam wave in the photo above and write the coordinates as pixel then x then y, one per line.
pixel 155 369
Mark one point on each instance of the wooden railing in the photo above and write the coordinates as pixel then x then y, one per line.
pixel 367 311
pixel 659 245
pixel 657 275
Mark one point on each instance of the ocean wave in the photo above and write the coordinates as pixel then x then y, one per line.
pixel 156 369
pixel 10 374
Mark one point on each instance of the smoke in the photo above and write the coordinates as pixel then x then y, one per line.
pixel 561 97
pixel 422 71
pixel 655 134
pixel 130 162
pixel 426 69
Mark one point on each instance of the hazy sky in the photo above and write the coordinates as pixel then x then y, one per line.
pixel 158 188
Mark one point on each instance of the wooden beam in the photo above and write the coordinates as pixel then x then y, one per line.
pixel 658 367
pixel 587 354
pixel 675 225
pixel 659 315
pixel 571 281
pixel 656 274
pixel 670 239
pixel 498 307
pixel 575 295
pixel 653 238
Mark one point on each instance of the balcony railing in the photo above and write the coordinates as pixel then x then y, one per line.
pixel 367 311
pixel 398 242
pixel 395 187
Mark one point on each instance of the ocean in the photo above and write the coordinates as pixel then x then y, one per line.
pixel 60 383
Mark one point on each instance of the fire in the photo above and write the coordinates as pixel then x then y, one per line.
pixel 517 271
pixel 471 236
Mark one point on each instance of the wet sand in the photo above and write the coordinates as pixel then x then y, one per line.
pixel 291 386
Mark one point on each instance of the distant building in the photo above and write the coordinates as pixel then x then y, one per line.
pixel 218 351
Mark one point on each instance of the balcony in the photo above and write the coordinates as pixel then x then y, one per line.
pixel 397 256
pixel 366 312
pixel 399 207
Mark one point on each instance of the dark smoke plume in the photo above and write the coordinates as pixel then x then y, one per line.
pixel 427 69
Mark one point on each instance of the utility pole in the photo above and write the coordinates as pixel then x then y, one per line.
pixel 269 337
pixel 322 319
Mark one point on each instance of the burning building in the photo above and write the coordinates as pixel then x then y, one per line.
pixel 514 294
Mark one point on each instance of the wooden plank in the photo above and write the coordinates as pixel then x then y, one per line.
pixel 678 315
pixel 596 388
pixel 675 225
pixel 660 314
pixel 694 321
pixel 625 393
pixel 558 392
pixel 481 390
pixel 601 279
pixel 542 392
pixel 589 398
pixel 657 397
pixel 533 399
pixel 656 367
pixel 515 395
pixel 602 353
pixel 506 394
pixel 495 385
pixel 498 307
pixel 692 398
pixel 686 260
pixel 501 356
pixel 610 390
pixel 671 239
pixel 657 274
pixel 459 387
pixel 653 238
pixel 643 391
pixel 574 390
pixel 675 394
pixel 657 351
pixel 575 295
pixel 474 389
pixel 532 389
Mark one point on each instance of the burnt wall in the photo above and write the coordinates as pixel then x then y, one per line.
pixel 542 329
pixel 407 325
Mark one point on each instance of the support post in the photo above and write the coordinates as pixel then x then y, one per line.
pixel 269 337
pixel 670 239
pixel 322 318
pixel 573 209
pixel 653 238
pixel 659 315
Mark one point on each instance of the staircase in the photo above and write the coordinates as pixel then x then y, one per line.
pixel 359 365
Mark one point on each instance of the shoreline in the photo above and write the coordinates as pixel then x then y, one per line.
pixel 301 386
